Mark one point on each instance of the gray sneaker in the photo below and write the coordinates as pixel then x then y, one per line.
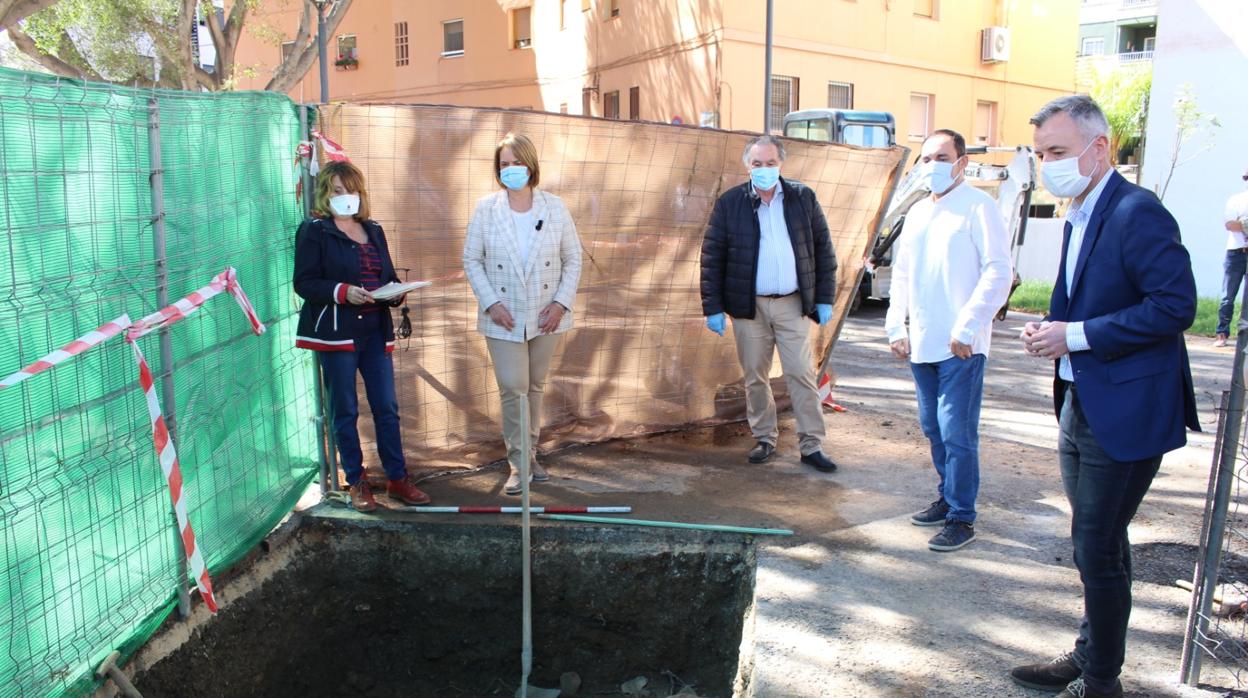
pixel 954 535
pixel 934 515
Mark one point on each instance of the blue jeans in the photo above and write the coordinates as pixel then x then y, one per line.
pixel 1234 268
pixel 374 365
pixel 1104 495
pixel 950 393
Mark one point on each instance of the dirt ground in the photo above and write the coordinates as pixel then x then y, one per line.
pixel 855 604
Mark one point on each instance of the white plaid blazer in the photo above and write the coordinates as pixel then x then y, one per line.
pixel 492 263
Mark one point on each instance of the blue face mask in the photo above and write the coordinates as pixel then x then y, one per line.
pixel 514 177
pixel 764 178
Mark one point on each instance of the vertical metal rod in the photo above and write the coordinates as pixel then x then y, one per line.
pixel 169 407
pixel 526 638
pixel 323 49
pixel 318 392
pixel 1198 573
pixel 767 86
pixel 1227 458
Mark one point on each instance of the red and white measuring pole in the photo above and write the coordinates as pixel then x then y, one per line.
pixel 517 510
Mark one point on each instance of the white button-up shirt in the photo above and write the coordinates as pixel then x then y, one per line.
pixel 1077 216
pixel 1236 210
pixel 951 274
pixel 777 267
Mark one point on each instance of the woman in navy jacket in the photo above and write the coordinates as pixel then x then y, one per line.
pixel 340 257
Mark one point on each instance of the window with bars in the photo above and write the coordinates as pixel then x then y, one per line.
pixel 840 95
pixel 634 103
pixel 453 37
pixel 611 104
pixel 400 43
pixel 921 106
pixel 521 27
pixel 783 100
pixel 985 123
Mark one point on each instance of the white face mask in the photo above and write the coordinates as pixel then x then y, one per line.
pixel 1062 177
pixel 345 204
pixel 938 176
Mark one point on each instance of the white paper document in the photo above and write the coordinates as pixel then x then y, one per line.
pixel 394 290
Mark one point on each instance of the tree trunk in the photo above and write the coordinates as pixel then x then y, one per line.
pixel 297 64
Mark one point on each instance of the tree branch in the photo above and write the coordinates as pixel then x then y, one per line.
pixel 299 61
pixel 26 45
pixel 14 11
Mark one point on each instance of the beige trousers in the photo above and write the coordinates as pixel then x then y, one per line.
pixel 779 323
pixel 520 368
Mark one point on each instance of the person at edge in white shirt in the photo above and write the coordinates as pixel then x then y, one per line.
pixel 1235 266
pixel 951 275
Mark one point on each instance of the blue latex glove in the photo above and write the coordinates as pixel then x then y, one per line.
pixel 825 312
pixel 715 323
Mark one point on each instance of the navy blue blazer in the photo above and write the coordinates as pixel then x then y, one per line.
pixel 1134 291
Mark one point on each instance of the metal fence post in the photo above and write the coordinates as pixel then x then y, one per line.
pixel 1205 578
pixel 166 342
pixel 318 392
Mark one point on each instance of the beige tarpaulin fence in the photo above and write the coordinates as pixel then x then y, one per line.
pixel 640 359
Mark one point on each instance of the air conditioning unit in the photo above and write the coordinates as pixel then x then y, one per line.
pixel 995 45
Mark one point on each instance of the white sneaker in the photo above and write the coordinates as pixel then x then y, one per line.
pixel 513 486
pixel 539 473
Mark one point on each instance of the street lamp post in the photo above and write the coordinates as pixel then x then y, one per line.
pixel 322 48
pixel 767 77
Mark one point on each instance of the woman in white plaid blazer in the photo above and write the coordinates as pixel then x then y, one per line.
pixel 523 259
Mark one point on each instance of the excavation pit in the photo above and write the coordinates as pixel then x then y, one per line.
pixel 416 606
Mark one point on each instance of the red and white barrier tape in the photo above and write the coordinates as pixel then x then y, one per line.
pixel 165 453
pixel 168 458
pixel 825 394
pixel 67 352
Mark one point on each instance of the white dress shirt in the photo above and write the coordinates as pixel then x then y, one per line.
pixel 951 274
pixel 1078 216
pixel 523 225
pixel 777 267
pixel 1236 210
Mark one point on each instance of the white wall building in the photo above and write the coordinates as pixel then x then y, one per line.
pixel 1204 44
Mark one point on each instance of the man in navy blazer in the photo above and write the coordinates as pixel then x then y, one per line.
pixel 1123 388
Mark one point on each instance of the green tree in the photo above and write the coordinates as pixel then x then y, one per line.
pixel 1122 93
pixel 150 42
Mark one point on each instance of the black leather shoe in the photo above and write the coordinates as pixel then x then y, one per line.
pixel 819 461
pixel 1053 675
pixel 761 452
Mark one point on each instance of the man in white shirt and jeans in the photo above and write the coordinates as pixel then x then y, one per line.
pixel 951 275
pixel 1236 264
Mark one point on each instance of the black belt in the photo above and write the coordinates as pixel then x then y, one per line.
pixel 776 295
pixel 1239 250
pixel 1070 385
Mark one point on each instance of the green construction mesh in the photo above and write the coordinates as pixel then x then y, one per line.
pixel 89 560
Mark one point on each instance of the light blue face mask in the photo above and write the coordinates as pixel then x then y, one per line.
pixel 514 177
pixel 764 178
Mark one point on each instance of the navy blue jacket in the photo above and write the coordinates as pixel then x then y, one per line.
pixel 1134 291
pixel 326 263
pixel 730 251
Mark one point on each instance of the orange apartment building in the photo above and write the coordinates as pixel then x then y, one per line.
pixel 700 61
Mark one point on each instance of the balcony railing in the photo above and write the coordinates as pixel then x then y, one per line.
pixel 1134 56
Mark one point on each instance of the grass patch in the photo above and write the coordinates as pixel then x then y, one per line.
pixel 1033 297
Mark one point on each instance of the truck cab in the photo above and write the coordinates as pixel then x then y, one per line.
pixel 871 129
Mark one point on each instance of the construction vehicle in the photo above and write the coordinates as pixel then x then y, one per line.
pixel 872 129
